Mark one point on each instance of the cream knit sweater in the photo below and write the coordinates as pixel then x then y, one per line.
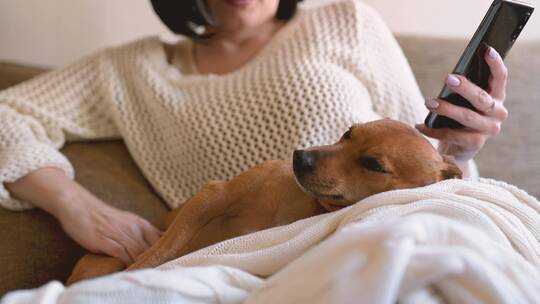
pixel 331 66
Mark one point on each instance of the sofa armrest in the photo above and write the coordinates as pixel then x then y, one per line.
pixel 12 74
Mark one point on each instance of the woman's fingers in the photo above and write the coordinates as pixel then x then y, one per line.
pixel 139 236
pixel 467 117
pixel 488 103
pixel 129 232
pixel 116 250
pixel 126 235
pixel 479 98
pixel 150 233
pixel 129 241
pixel 499 74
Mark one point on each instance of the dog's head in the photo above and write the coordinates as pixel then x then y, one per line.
pixel 370 158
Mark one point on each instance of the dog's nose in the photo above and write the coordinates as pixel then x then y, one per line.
pixel 303 161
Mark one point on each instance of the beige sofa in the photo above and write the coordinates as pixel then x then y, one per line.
pixel 34 249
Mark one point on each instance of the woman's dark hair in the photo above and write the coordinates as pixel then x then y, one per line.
pixel 184 16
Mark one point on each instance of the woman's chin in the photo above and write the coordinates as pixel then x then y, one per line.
pixel 239 23
pixel 238 15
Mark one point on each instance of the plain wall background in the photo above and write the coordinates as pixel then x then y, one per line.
pixel 55 32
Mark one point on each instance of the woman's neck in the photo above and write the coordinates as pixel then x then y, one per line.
pixel 226 51
pixel 225 40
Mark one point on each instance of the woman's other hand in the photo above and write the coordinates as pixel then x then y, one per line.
pixel 103 229
pixel 464 144
pixel 93 224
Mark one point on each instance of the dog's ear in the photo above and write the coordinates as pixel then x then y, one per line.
pixel 451 169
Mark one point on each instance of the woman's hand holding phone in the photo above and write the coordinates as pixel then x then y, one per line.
pixel 464 144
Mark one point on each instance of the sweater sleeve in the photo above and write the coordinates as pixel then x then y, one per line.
pixel 37 116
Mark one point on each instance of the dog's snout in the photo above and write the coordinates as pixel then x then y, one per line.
pixel 304 161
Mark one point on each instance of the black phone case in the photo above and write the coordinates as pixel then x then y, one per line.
pixel 499 29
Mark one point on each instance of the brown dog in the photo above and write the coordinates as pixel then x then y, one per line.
pixel 370 158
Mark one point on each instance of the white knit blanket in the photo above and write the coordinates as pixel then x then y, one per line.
pixel 458 241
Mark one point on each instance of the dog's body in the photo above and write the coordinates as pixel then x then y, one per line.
pixel 370 158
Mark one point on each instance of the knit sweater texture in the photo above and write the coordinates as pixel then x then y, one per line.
pixel 331 66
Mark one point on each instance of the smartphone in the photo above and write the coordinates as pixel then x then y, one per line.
pixel 499 29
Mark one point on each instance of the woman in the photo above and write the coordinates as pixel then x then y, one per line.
pixel 253 81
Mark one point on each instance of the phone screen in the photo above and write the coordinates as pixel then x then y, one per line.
pixel 501 36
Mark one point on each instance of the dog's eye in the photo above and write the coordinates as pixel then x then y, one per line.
pixel 372 164
pixel 347 134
